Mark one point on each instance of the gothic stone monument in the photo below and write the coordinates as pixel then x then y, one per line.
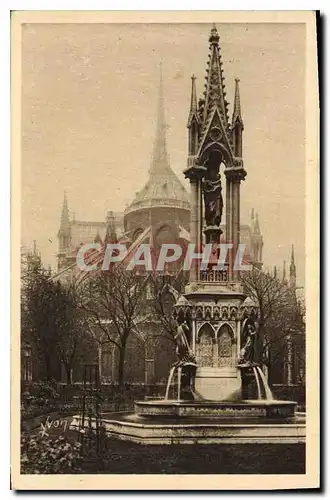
pixel 214 299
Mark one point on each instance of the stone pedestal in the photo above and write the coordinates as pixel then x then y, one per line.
pixel 218 384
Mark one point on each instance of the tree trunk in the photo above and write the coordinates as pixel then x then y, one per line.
pixel 122 352
pixel 48 371
pixel 68 372
pixel 260 342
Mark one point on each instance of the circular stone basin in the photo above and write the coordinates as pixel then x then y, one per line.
pixel 216 409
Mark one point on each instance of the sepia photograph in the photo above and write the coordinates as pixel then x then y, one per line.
pixel 164 290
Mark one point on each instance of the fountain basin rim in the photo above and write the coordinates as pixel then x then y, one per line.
pixel 216 409
pixel 160 432
pixel 208 403
pixel 123 418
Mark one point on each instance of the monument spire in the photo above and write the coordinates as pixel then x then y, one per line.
pixel 213 116
pixel 215 94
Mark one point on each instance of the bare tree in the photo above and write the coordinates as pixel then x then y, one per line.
pixel 51 322
pixel 113 303
pixel 280 314
pixel 165 290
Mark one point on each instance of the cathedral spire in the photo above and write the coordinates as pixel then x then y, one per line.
pixel 163 186
pixel 293 273
pixel 160 158
pixel 64 233
pixel 65 219
pixel 284 272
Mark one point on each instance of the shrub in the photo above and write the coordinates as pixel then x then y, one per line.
pixel 46 455
pixel 44 390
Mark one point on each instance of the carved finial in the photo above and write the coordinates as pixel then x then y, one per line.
pixel 193 101
pixel 214 35
pixel 237 113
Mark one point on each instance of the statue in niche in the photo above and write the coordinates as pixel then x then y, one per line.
pixel 248 353
pixel 213 202
pixel 186 361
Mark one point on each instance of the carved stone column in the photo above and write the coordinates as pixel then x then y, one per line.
pixel 195 173
pixel 234 175
pixel 235 222
pixel 194 230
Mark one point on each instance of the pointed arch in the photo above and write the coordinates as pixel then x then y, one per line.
pixel 230 329
pixel 205 347
pixel 226 346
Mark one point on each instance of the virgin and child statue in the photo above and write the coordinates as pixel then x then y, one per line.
pixel 213 202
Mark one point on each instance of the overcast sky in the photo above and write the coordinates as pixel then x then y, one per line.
pixel 89 97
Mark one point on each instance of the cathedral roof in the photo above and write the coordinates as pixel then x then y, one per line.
pixel 163 187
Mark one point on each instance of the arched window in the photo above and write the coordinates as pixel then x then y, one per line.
pixel 225 346
pixel 205 346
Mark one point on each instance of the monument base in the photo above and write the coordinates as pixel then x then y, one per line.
pixel 218 384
